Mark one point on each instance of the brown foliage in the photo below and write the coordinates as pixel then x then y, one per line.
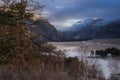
pixel 47 67
pixel 22 59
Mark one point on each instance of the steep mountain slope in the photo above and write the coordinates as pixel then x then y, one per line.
pixel 109 30
pixel 46 31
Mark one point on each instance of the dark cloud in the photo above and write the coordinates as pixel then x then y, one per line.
pixel 73 9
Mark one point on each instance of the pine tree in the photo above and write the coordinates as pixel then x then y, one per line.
pixel 15 37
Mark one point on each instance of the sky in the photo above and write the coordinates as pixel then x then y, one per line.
pixel 65 13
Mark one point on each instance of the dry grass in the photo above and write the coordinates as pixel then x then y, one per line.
pixel 49 68
pixel 30 73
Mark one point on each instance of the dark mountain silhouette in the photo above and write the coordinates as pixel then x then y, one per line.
pixel 45 30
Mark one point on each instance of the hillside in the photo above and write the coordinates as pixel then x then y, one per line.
pixel 45 30
pixel 107 31
pixel 90 29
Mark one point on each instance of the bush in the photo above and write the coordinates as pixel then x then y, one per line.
pixel 113 51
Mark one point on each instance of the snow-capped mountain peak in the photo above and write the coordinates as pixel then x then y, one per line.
pixel 89 22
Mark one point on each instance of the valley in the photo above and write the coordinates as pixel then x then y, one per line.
pixel 81 50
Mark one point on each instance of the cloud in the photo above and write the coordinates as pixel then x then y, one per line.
pixel 66 10
pixel 66 23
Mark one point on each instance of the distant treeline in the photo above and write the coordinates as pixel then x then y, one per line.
pixel 113 52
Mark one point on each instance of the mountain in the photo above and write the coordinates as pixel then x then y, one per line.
pixel 95 29
pixel 45 30
pixel 82 30
pixel 88 22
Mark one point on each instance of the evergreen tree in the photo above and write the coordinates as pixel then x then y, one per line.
pixel 15 38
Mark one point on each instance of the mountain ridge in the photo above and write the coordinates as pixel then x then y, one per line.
pixel 46 31
pixel 109 30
